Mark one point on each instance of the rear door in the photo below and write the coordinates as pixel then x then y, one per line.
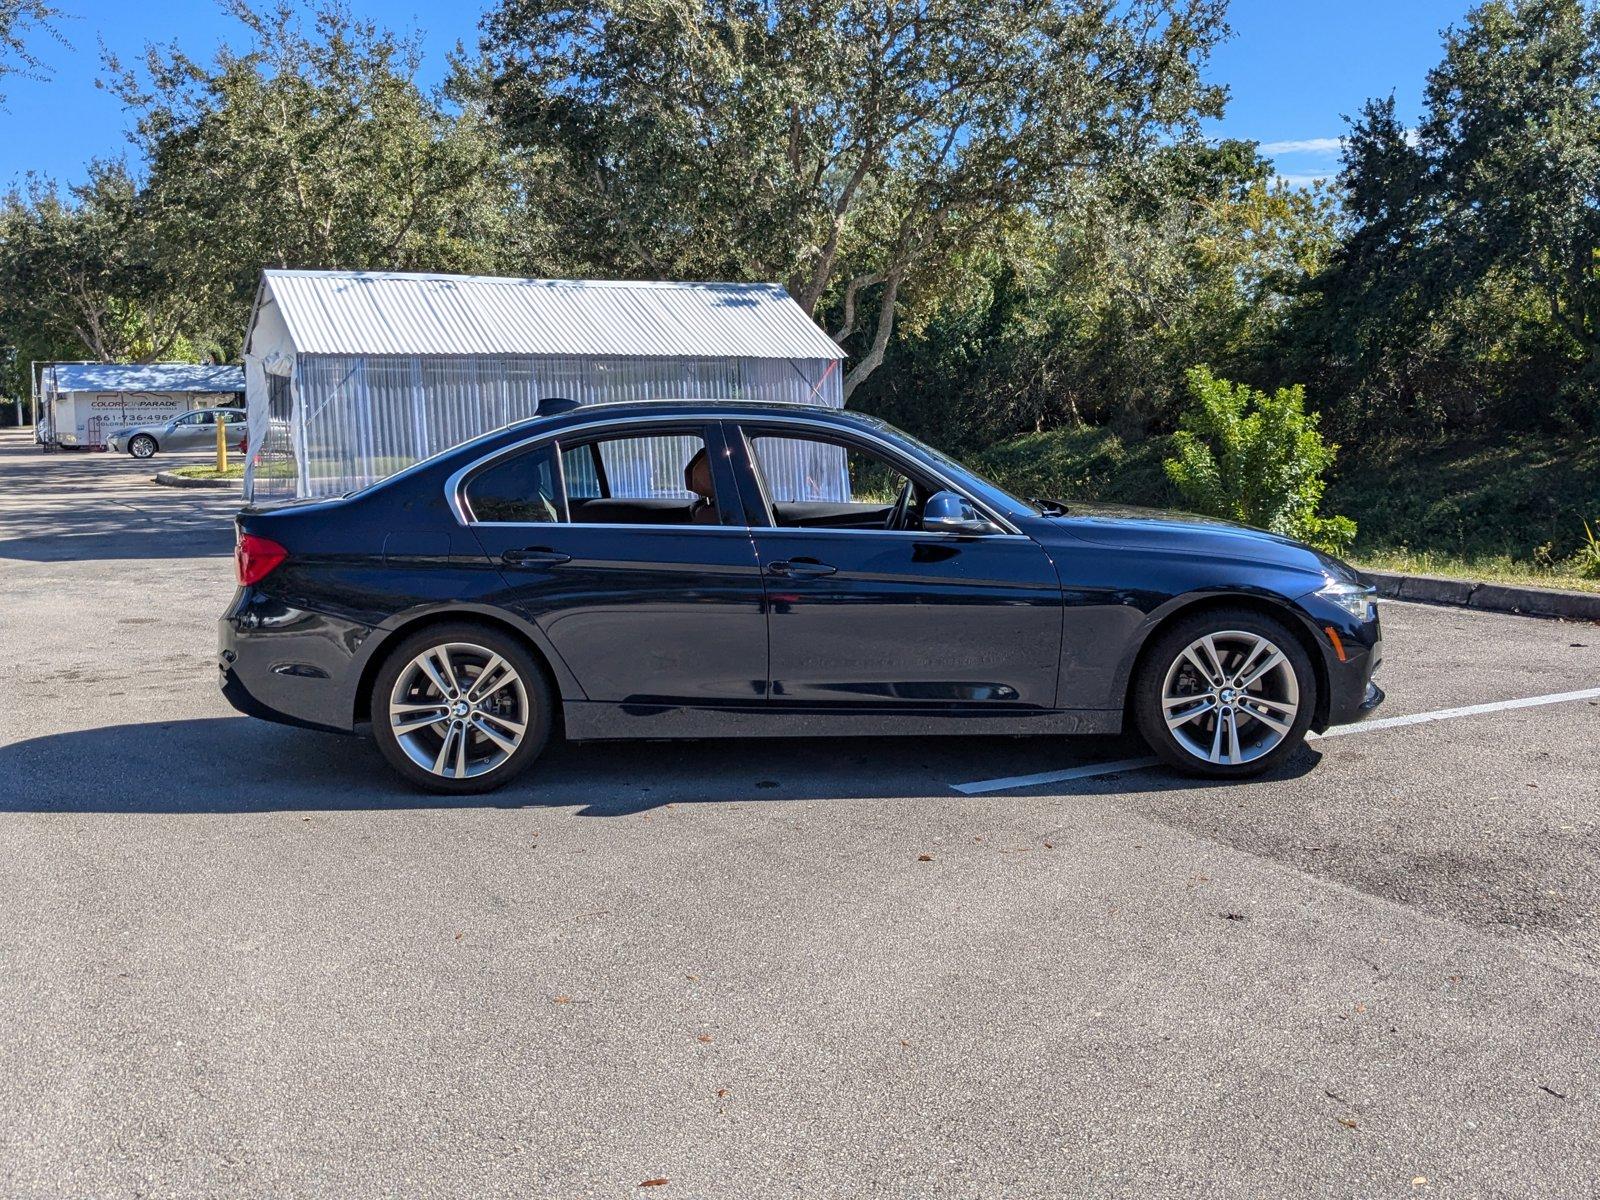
pixel 643 605
pixel 865 615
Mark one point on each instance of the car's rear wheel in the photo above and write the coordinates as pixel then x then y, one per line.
pixel 461 709
pixel 1226 693
pixel 142 446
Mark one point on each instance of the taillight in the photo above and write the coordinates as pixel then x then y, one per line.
pixel 254 558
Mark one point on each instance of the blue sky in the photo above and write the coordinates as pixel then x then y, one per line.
pixel 1294 67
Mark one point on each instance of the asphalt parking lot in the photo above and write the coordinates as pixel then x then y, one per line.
pixel 238 959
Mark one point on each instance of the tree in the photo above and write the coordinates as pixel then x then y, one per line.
pixel 1257 458
pixel 19 18
pixel 1092 317
pixel 314 147
pixel 1469 285
pixel 857 149
pixel 80 274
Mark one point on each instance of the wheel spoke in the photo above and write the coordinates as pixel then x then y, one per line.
pixel 408 718
pixel 461 753
pixel 1174 720
pixel 1256 648
pixel 1205 671
pixel 1216 673
pixel 485 676
pixel 447 668
pixel 451 736
pixel 1278 706
pixel 1234 755
pixel 1255 676
pixel 1216 742
pixel 482 726
pixel 425 664
pixel 1281 728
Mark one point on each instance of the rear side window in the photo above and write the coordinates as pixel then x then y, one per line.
pixel 521 488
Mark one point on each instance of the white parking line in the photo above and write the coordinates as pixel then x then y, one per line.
pixel 980 786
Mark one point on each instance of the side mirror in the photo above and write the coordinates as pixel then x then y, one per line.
pixel 946 512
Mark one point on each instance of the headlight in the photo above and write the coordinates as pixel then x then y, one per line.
pixel 1354 598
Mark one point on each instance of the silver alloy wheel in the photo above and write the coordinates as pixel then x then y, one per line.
pixel 1230 697
pixel 142 446
pixel 459 710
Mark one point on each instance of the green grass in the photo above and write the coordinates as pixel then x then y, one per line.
pixel 1481 568
pixel 234 471
pixel 1522 499
pixel 1507 509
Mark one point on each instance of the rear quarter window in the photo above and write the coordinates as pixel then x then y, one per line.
pixel 522 489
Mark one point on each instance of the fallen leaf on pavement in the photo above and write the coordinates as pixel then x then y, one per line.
pixel 654 1183
pixel 560 999
pixel 924 858
pixel 1348 1122
pixel 705 1037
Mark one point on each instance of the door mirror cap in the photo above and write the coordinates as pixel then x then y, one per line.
pixel 946 512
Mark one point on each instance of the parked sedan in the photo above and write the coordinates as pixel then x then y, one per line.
pixel 692 569
pixel 195 430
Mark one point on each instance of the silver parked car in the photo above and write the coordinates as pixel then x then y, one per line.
pixel 195 430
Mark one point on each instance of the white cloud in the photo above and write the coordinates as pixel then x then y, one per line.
pixel 1322 145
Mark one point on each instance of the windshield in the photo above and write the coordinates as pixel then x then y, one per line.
pixel 985 489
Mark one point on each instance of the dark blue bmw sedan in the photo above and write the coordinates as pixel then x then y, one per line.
pixel 722 569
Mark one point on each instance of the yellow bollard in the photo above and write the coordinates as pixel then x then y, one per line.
pixel 222 446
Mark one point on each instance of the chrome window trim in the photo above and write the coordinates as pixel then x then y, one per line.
pixel 455 495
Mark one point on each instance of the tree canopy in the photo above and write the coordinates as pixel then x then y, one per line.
pixel 855 149
pixel 1007 214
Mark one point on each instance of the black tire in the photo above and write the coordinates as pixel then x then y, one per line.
pixel 535 712
pixel 142 445
pixel 1167 654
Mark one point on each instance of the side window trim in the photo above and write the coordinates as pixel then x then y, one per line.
pixel 734 451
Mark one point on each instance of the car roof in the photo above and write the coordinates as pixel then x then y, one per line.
pixel 733 409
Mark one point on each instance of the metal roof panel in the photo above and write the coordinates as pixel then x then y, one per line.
pixel 370 312
pixel 145 377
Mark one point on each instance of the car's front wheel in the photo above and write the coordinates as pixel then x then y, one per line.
pixel 1226 693
pixel 142 446
pixel 460 709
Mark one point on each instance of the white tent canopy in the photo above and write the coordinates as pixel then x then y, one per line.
pixel 352 375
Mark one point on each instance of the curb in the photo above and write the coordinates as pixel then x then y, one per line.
pixel 168 479
pixel 1490 597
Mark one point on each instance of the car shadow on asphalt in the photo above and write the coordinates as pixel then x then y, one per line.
pixel 241 765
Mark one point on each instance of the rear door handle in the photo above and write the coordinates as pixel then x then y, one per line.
pixel 800 568
pixel 535 556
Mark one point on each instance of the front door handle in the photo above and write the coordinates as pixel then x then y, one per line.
pixel 535 556
pixel 800 568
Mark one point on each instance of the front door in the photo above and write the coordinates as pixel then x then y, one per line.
pixel 866 609
pixel 644 592
pixel 193 430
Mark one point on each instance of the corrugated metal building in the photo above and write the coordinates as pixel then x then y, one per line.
pixel 80 403
pixel 352 375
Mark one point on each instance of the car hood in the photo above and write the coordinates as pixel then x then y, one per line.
pixel 1181 532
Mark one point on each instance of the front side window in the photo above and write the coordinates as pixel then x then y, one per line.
pixel 815 482
pixel 197 418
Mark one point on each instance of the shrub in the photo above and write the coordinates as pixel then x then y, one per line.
pixel 1586 562
pixel 1256 458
